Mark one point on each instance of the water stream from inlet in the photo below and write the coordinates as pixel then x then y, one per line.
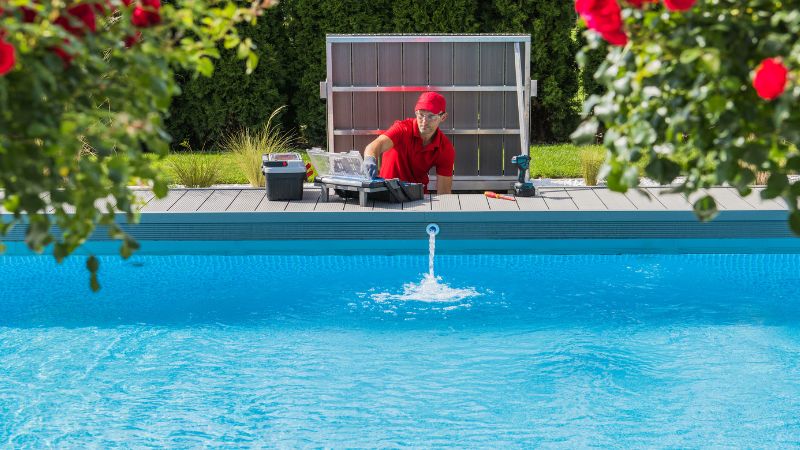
pixel 431 288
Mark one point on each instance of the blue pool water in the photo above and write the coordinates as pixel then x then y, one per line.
pixel 288 351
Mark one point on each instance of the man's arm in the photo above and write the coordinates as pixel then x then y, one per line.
pixel 444 185
pixel 375 148
pixel 373 151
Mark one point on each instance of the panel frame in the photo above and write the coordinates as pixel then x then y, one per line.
pixel 508 86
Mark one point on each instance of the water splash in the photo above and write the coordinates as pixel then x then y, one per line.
pixel 430 289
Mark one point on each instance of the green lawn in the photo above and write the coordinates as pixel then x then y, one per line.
pixel 548 161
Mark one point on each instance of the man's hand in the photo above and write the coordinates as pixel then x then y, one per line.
pixel 371 166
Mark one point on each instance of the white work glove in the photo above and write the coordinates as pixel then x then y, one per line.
pixel 371 166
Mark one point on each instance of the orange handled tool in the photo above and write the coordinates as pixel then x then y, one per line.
pixel 491 194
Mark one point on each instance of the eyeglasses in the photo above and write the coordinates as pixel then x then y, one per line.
pixel 427 117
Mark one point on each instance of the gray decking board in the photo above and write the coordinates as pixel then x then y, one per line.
pixel 531 204
pixel 614 201
pixel 445 202
pixel 352 205
pixel 267 205
pixel 673 202
pixel 473 202
pixel 557 199
pixel 548 199
pixel 643 201
pixel 419 205
pixel 164 204
pixel 496 204
pixel 220 200
pixel 754 198
pixel 308 203
pixel 191 200
pixel 586 199
pixel 729 198
pixel 247 200
pixel 143 197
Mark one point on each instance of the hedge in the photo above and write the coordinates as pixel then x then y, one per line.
pixel 291 40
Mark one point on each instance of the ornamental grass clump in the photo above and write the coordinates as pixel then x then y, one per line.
pixel 195 170
pixel 248 146
pixel 591 161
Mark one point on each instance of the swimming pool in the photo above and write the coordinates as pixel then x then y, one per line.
pixel 565 351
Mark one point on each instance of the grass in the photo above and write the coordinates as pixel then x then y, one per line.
pixel 558 160
pixel 548 161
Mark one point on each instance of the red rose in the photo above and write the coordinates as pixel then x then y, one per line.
pixel 130 41
pixel 28 15
pixel 770 79
pixel 84 13
pixel 605 17
pixel 679 5
pixel 8 55
pixel 146 14
pixel 640 3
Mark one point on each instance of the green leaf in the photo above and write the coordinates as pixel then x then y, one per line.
pixel 586 133
pixel 705 208
pixel 794 222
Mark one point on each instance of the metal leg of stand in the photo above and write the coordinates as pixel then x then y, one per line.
pixel 325 193
pixel 362 198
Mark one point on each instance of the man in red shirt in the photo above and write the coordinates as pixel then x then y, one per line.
pixel 411 147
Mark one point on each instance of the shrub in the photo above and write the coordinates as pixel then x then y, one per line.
pixel 247 147
pixel 195 170
pixel 591 161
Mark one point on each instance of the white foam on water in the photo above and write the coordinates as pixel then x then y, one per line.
pixel 430 290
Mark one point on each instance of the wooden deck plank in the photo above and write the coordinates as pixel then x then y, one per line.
pixel 445 202
pixel 220 200
pixel 267 205
pixel 334 203
pixel 387 206
pixel 585 199
pixel 673 202
pixel 164 204
pixel 496 204
pixel 308 203
pixel 729 198
pixel 191 200
pixel 643 200
pixel 614 201
pixel 473 202
pixel 531 204
pixel 557 199
pixel 419 205
pixel 763 204
pixel 143 197
pixel 247 200
pixel 352 205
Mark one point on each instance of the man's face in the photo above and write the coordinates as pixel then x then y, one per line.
pixel 428 121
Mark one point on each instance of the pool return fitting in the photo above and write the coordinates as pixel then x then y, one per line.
pixel 432 229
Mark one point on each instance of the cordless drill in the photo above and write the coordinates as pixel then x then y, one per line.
pixel 523 188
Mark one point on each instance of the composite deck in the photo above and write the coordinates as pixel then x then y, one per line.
pixel 549 199
pixel 558 220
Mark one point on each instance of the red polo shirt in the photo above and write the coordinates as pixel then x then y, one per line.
pixel 409 161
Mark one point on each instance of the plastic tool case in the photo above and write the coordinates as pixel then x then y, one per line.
pixel 284 174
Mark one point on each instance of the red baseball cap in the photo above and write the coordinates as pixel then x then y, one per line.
pixel 431 101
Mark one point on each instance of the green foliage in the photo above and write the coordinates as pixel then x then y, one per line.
pixel 292 39
pixel 193 170
pixel 210 107
pixel 591 161
pixel 248 146
pixel 680 93
pixel 110 99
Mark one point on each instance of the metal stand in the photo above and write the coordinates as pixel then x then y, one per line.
pixel 362 190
